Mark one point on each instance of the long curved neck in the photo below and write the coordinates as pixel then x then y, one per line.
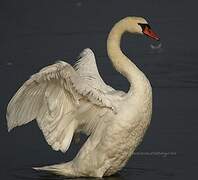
pixel 121 63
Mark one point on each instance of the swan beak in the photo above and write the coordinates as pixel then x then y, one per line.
pixel 149 32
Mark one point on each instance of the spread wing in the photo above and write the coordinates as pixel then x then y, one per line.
pixel 86 67
pixel 63 100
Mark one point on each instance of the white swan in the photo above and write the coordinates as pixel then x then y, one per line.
pixel 67 100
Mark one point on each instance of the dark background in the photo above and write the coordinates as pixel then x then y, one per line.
pixel 34 34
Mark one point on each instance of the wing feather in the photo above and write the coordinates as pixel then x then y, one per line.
pixel 63 100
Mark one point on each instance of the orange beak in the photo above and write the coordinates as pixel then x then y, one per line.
pixel 149 32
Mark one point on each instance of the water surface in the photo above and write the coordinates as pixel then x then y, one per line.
pixel 35 34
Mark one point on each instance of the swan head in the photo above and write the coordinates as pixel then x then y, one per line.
pixel 140 26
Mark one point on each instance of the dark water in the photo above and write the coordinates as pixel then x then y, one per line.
pixel 36 33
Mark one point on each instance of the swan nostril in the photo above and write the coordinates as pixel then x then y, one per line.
pixel 150 33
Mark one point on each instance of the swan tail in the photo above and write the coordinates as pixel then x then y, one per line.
pixel 65 169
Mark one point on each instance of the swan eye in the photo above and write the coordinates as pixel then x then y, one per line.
pixel 144 26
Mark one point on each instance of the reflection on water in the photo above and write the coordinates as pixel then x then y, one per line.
pixel 156 48
pixel 28 173
pixel 126 173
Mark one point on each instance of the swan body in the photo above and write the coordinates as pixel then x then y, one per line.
pixel 68 100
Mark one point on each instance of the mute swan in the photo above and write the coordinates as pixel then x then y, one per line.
pixel 67 100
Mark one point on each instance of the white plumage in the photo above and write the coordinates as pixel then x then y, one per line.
pixel 66 100
pixel 58 96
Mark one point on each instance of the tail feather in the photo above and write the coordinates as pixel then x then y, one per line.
pixel 65 169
